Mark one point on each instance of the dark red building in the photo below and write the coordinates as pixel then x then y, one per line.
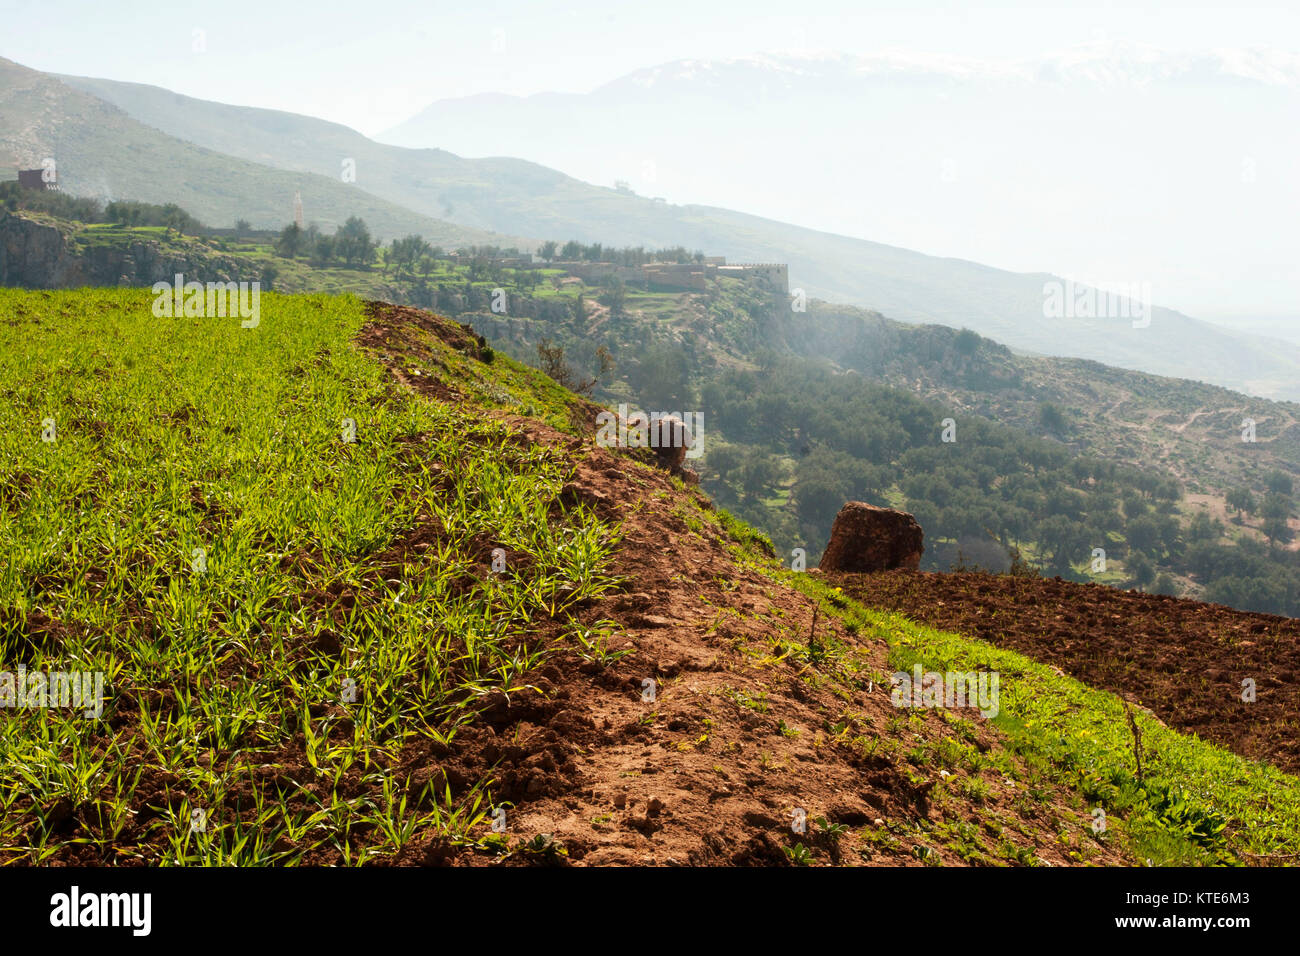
pixel 33 179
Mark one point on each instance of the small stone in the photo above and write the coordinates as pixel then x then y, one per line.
pixel 652 620
pixel 620 801
pixel 654 807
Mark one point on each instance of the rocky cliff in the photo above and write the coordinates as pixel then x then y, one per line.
pixel 36 255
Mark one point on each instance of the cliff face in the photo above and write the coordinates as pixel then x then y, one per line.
pixel 37 255
pixel 34 255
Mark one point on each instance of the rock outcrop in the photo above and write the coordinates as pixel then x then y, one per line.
pixel 34 255
pixel 668 435
pixel 867 538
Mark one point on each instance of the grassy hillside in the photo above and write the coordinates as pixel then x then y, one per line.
pixel 103 152
pixel 359 587
pixel 515 197
pixel 201 532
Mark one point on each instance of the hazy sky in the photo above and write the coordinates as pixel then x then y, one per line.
pixel 370 65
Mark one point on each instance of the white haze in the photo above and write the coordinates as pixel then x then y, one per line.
pixel 1108 162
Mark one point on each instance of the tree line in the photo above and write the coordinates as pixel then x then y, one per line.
pixel 850 439
pixel 89 210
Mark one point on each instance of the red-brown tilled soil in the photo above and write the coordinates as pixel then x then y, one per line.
pixel 1183 660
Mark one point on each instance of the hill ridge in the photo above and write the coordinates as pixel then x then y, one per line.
pixel 519 198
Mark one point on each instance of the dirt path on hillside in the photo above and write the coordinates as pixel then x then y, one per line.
pixel 711 771
pixel 1182 427
pixel 742 731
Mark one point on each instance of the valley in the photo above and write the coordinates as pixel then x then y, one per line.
pixel 111 135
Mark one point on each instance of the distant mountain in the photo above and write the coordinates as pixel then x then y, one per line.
pixel 521 198
pixel 1110 161
pixel 101 151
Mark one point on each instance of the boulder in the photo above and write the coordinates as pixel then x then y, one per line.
pixel 668 435
pixel 867 538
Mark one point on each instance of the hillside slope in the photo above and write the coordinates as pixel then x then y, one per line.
pixel 520 198
pixel 462 605
pixel 1191 429
pixel 100 151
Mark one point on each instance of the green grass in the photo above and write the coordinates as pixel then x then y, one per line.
pixel 285 687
